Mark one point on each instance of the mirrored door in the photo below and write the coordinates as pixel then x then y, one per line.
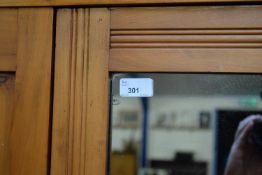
pixel 186 127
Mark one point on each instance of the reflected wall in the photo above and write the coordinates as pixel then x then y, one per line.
pixel 186 128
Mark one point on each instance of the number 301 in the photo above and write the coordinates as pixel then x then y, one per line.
pixel 133 90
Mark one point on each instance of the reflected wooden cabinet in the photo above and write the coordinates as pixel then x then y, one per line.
pixel 123 164
pixel 55 65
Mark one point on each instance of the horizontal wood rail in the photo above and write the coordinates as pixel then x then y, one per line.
pixel 185 32
pixel 20 3
pixel 188 39
pixel 154 38
pixel 184 18
pixel 186 60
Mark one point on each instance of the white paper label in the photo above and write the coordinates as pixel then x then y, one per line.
pixel 136 87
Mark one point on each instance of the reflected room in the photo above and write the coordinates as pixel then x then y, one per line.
pixel 185 127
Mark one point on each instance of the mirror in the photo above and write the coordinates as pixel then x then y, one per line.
pixel 186 128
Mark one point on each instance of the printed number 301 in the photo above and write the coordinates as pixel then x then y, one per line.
pixel 133 90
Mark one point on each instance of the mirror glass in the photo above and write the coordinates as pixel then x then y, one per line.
pixel 187 127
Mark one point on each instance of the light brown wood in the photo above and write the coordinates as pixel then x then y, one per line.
pixel 98 92
pixel 186 32
pixel 16 3
pixel 68 146
pixel 186 45
pixel 249 38
pixel 81 75
pixel 224 17
pixel 186 60
pixel 183 41
pixel 29 135
pixel 8 63
pixel 7 89
pixel 81 92
pixel 186 39
pixel 8 39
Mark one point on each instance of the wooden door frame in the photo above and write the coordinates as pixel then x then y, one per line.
pixel 81 97
pixel 81 92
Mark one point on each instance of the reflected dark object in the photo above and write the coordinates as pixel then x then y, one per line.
pixel 227 122
pixel 256 136
pixel 183 164
pixel 204 120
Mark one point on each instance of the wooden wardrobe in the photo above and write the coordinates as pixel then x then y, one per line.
pixel 56 57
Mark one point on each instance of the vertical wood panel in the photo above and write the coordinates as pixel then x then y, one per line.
pixel 8 39
pixel 70 92
pixel 98 96
pixel 80 101
pixel 30 125
pixel 7 89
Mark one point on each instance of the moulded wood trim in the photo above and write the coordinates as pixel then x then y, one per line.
pixel 19 3
pixel 186 45
pixel 80 117
pixel 186 32
pixel 187 41
pixel 70 96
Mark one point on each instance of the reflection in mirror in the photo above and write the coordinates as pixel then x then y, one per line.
pixel 188 127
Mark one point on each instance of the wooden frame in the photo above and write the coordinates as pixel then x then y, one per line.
pixel 186 39
pixel 91 43
pixel 16 3
pixel 81 92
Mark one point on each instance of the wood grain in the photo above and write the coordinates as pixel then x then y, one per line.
pixel 98 92
pixel 81 92
pixel 69 122
pixel 186 45
pixel 15 3
pixel 8 39
pixel 185 32
pixel 186 41
pixel 209 17
pixel 7 90
pixel 29 135
pixel 8 63
pixel 154 38
pixel 186 60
